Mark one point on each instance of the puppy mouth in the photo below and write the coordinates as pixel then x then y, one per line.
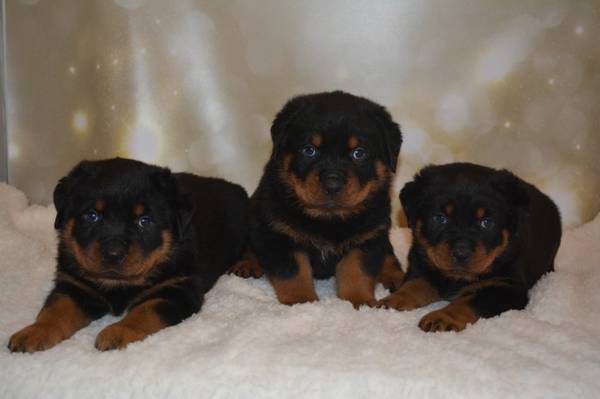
pixel 112 275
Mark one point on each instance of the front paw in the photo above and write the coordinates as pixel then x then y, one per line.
pixel 399 301
pixel 247 268
pixel 118 336
pixel 443 320
pixel 36 337
pixel 357 302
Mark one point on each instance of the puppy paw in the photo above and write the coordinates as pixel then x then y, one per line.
pixel 36 337
pixel 398 301
pixel 442 320
pixel 246 268
pixel 118 336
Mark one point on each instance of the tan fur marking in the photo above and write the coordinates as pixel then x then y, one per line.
pixel 479 285
pixel 89 259
pixel 453 317
pixel 316 140
pixel 391 275
pixel 449 209
pixel 247 267
pixel 56 322
pixel 298 289
pixel 440 256
pixel 482 260
pixel 139 209
pixel 138 265
pixel 352 282
pixel 352 142
pixel 308 239
pixel 401 218
pixel 100 205
pixel 479 213
pixel 411 295
pixel 140 322
pixel 317 203
pixel 134 270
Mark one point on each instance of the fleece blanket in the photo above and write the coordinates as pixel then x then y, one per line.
pixel 244 344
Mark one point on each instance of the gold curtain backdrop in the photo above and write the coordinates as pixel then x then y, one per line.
pixel 193 85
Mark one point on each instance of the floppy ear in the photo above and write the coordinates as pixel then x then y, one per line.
pixel 515 194
pixel 178 199
pixel 511 187
pixel 391 134
pixel 64 191
pixel 283 120
pixel 410 196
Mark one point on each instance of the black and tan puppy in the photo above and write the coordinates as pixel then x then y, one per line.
pixel 481 239
pixel 322 206
pixel 134 237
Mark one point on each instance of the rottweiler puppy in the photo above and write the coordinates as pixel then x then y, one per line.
pixel 481 239
pixel 322 207
pixel 135 237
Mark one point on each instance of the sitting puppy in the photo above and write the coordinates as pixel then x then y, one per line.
pixel 322 207
pixel 134 237
pixel 481 240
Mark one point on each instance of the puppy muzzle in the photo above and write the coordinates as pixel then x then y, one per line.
pixel 332 181
pixel 114 251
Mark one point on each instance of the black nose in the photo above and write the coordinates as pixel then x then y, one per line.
pixel 114 251
pixel 462 251
pixel 332 181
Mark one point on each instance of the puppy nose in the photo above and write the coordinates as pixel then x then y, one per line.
pixel 332 181
pixel 462 251
pixel 113 251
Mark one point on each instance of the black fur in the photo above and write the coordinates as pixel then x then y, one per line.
pixel 530 218
pixel 335 117
pixel 206 219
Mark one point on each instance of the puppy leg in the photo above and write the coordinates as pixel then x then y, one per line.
pixel 247 267
pixel 485 299
pixel 412 294
pixel 300 287
pixel 353 283
pixel 58 320
pixel 391 275
pixel 161 306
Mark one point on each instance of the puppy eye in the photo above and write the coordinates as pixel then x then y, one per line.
pixel 358 153
pixel 309 150
pixel 91 216
pixel 144 222
pixel 440 218
pixel 486 224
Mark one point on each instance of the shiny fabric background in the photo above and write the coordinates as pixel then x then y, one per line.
pixel 194 84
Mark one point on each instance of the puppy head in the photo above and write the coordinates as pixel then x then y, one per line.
pixel 464 216
pixel 333 151
pixel 117 218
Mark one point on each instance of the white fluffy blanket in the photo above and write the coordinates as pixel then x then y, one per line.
pixel 244 344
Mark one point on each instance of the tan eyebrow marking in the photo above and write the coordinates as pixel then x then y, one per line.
pixel 316 140
pixel 352 142
pixel 449 209
pixel 139 209
pixel 479 213
pixel 100 204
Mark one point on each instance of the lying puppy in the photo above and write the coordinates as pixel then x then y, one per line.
pixel 322 206
pixel 134 237
pixel 481 240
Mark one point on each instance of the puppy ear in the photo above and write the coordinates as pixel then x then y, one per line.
pixel 391 135
pixel 178 198
pixel 512 188
pixel 283 122
pixel 410 197
pixel 515 193
pixel 64 191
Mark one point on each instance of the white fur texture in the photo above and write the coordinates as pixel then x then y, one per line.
pixel 243 344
